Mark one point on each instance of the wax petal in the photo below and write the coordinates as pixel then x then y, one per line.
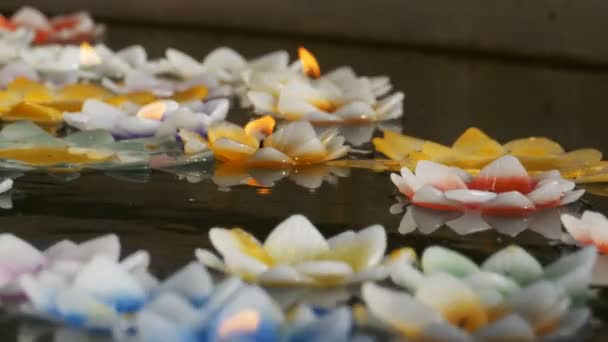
pixel 440 259
pixel 503 175
pixel 79 309
pixel 210 260
pixel 295 239
pixel 474 141
pixel 174 308
pixel 262 102
pixel 515 263
pixel 326 273
pixel 242 252
pixel 470 197
pixel 407 276
pixel 105 245
pixel 283 275
pixel 152 327
pixel 192 281
pixel 107 282
pixel 250 314
pixel 508 203
pixel 17 257
pixel 356 111
pixel 438 175
pixel 361 250
pixel 542 304
pixel 548 194
pixel 577 228
pixel 533 147
pixel 390 107
pixel 398 309
pixel 432 198
pixel 574 271
pixel 269 156
pixel 335 326
pixel 454 299
pixel 511 327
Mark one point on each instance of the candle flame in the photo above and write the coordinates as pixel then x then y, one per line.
pixel 153 111
pixel 245 321
pixel 310 66
pixel 264 125
pixel 88 55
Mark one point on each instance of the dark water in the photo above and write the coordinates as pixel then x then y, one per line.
pixel 170 214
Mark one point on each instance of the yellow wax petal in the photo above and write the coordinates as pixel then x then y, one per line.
pixel 229 155
pixel 594 173
pixel 198 92
pixel 46 156
pixel 82 92
pixel 8 99
pixel 440 153
pixel 533 147
pixel 38 95
pixel 475 142
pixel 585 156
pixel 141 98
pixel 232 132
pixel 23 85
pixel 33 112
pixel 250 246
pixel 64 105
pixel 397 146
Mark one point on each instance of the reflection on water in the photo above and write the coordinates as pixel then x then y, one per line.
pixel 544 222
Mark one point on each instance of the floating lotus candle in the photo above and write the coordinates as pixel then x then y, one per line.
pixel 509 297
pixel 25 146
pixel 590 229
pixel 237 311
pixel 65 258
pixel 231 67
pixel 28 100
pixel 256 146
pixel 339 96
pixel 474 149
pixel 295 253
pixel 503 187
pixel 61 29
pixel 159 118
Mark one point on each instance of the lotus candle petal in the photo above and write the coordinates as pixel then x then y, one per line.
pixel 12 42
pixel 236 310
pixel 294 144
pixel 295 253
pixel 503 187
pixel 232 67
pixel 590 229
pixel 25 146
pixel 509 296
pixel 326 100
pixel 61 29
pixel 63 259
pixel 474 149
pixel 160 118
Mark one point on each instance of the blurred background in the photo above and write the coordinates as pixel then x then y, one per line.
pixel 564 30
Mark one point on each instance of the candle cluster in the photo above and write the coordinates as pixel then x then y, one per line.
pixel 66 108
pixel 88 286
